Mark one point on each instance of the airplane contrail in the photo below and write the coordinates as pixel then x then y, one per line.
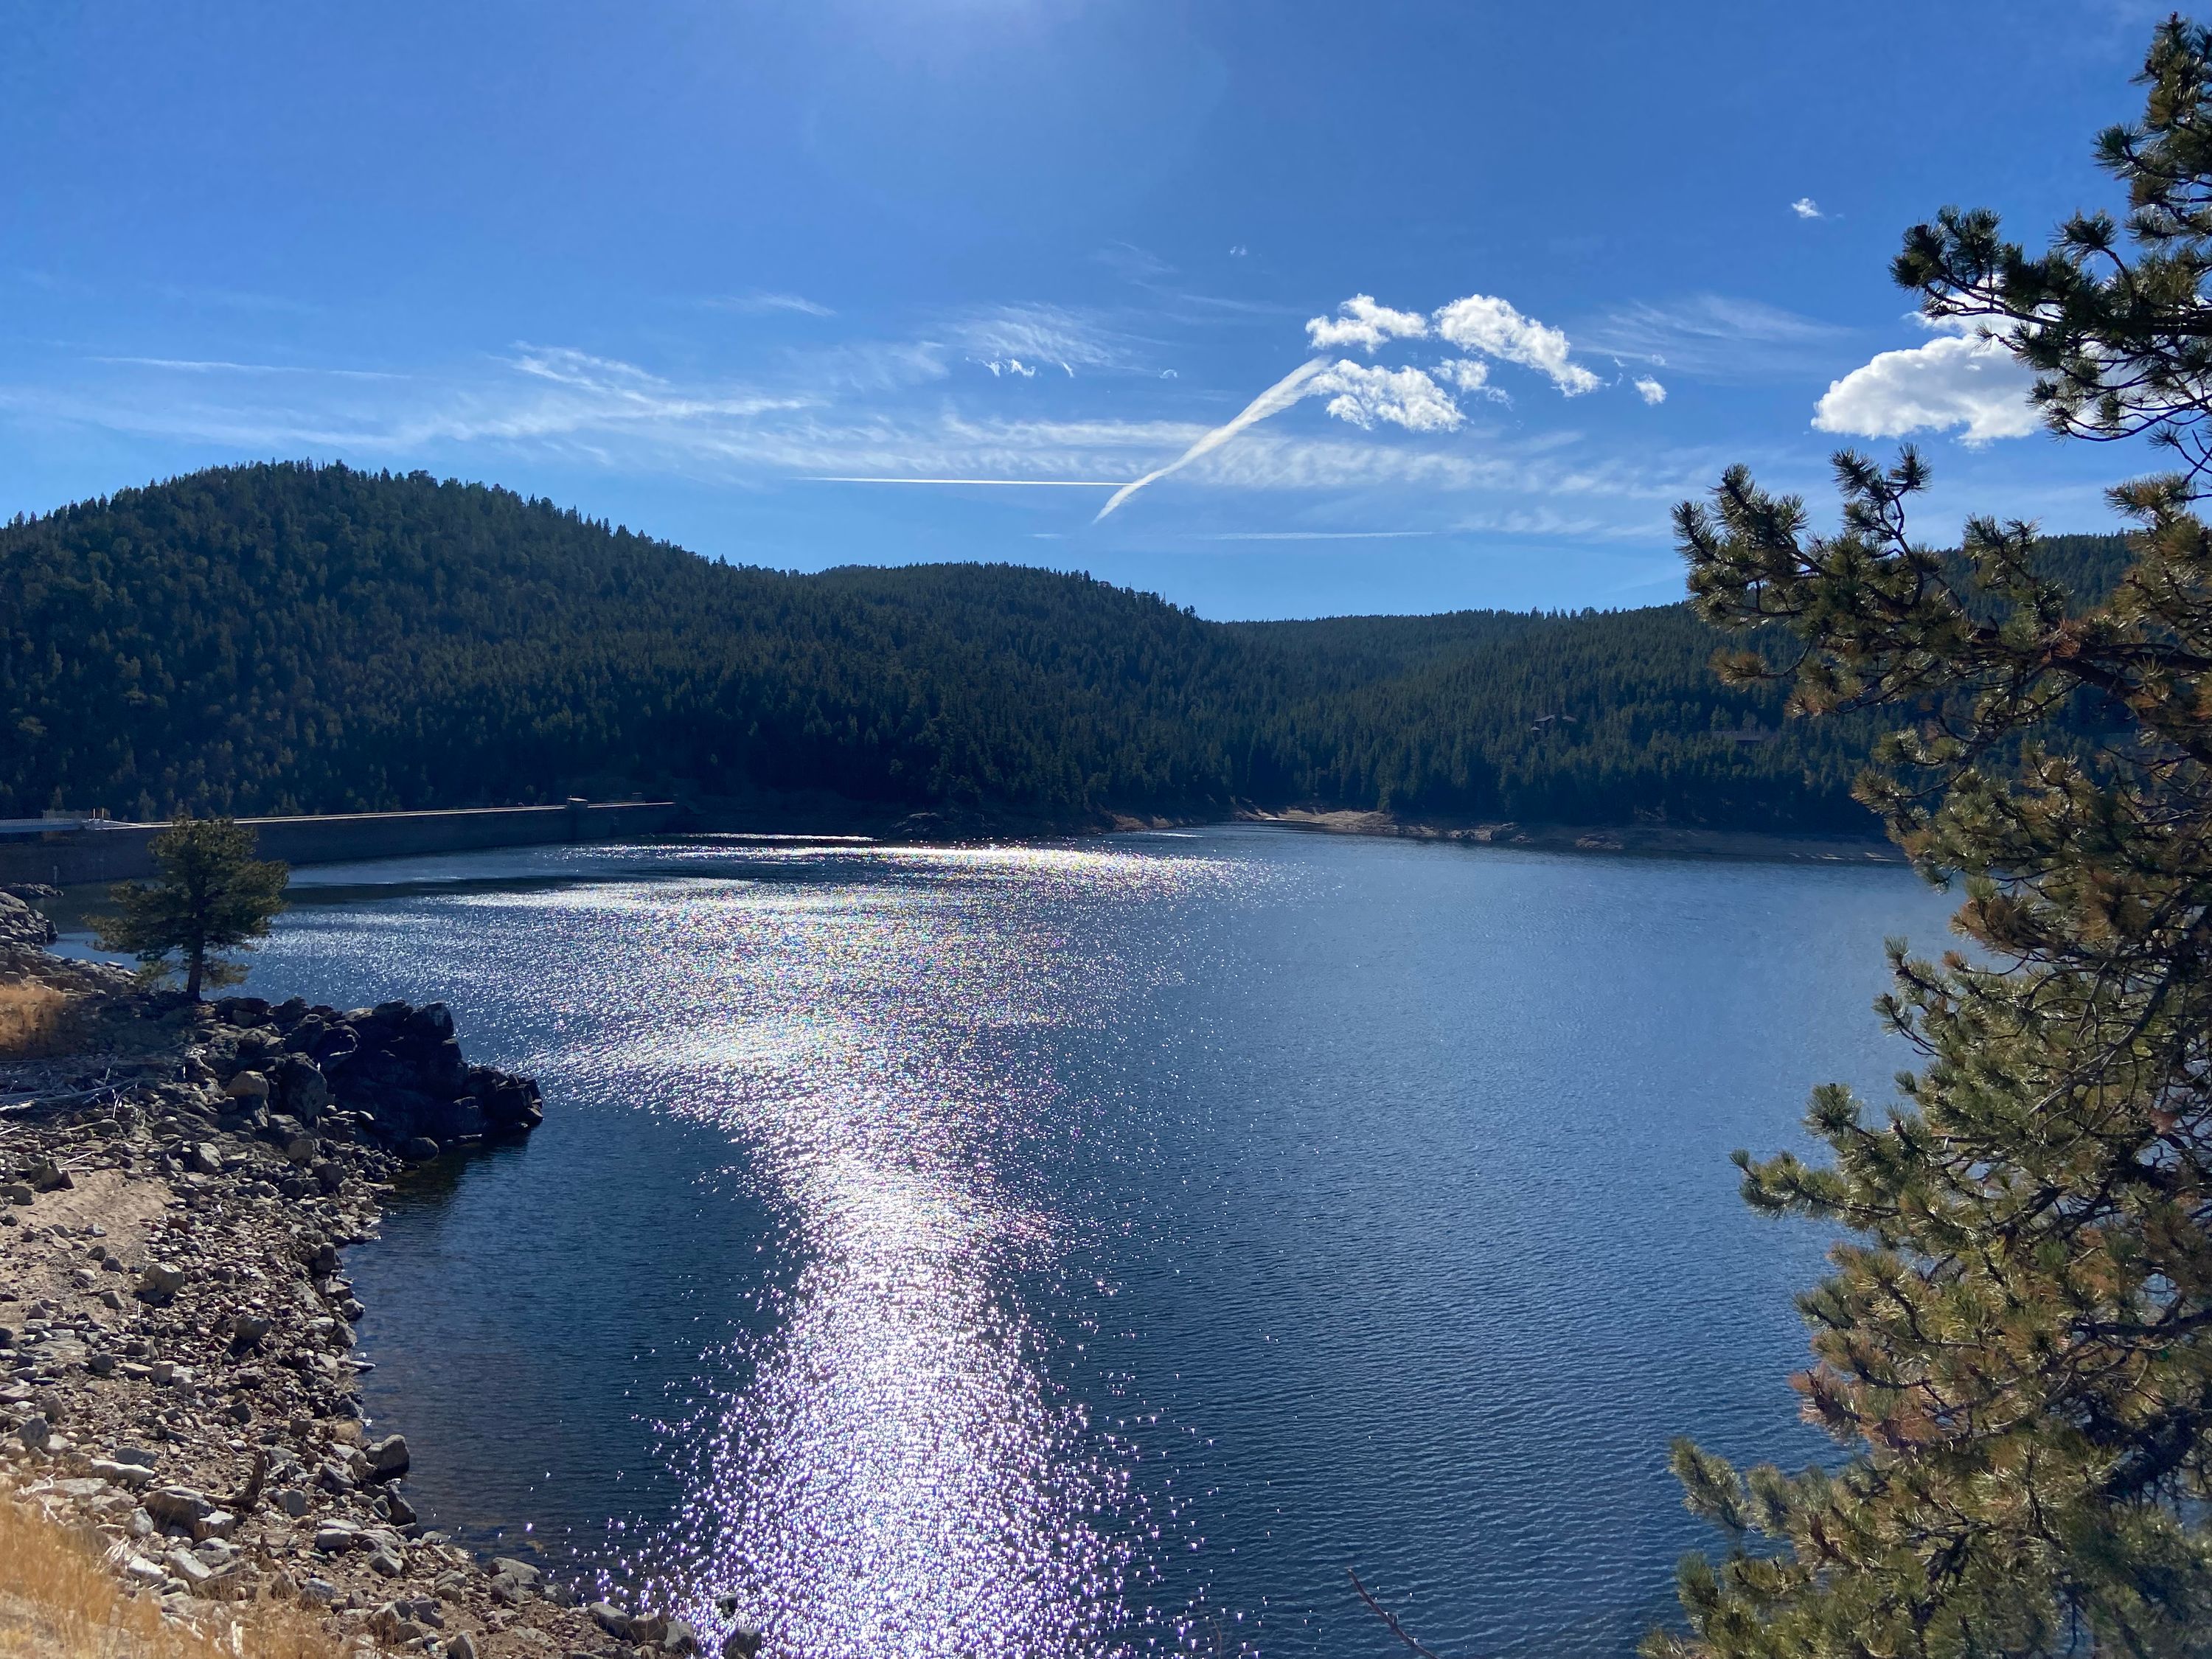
pixel 1273 401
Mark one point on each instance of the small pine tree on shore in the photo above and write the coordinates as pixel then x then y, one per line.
pixel 212 895
pixel 2016 1341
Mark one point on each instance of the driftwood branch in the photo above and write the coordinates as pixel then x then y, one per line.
pixel 1389 1619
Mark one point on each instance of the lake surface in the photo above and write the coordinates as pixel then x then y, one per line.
pixel 1100 1248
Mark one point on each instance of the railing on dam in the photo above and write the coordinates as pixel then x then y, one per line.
pixel 99 850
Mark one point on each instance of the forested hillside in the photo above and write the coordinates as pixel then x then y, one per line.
pixel 290 638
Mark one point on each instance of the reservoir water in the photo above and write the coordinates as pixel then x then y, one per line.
pixel 1101 1248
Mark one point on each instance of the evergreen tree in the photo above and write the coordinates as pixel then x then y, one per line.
pixel 212 895
pixel 2015 1341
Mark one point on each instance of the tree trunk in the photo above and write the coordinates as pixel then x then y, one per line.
pixel 192 977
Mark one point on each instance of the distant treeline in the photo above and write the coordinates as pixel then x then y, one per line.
pixel 300 638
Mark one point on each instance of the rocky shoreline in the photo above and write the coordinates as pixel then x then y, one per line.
pixel 1653 840
pixel 178 1380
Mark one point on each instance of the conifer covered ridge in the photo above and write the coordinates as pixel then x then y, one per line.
pixel 292 637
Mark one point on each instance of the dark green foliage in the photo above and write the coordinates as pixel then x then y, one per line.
pixel 2015 1343
pixel 294 638
pixel 212 895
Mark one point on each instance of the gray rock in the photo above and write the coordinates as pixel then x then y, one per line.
pixel 387 1458
pixel 247 1085
pixel 679 1638
pixel 205 1158
pixel 460 1645
pixel 743 1642
pixel 292 1501
pixel 248 1328
pixel 507 1566
pixel 645 1629
pixel 215 1523
pixel 160 1281
pixel 610 1619
pixel 178 1506
pixel 319 1591
pixel 36 1434
pixel 419 1149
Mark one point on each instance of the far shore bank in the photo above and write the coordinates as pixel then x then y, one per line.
pixel 1653 840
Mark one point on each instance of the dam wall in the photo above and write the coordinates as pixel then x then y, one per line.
pixel 104 851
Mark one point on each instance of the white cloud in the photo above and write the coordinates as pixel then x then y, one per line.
pixel 1806 208
pixel 1401 397
pixel 1492 327
pixel 1470 375
pixel 1964 381
pixel 1359 321
pixel 1239 251
pixel 1028 336
pixel 1649 390
pixel 757 302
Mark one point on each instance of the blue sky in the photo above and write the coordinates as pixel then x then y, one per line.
pixel 1517 278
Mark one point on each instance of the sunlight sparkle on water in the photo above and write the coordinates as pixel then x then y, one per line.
pixel 899 1476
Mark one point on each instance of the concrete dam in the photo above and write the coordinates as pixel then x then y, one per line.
pixel 65 849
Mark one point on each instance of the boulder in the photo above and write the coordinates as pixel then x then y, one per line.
pixel 610 1619
pixel 247 1085
pixel 508 1102
pixel 160 1281
pixel 387 1458
pixel 743 1642
pixel 178 1506
pixel 419 1149
pixel 47 1176
pixel 21 925
pixel 302 1089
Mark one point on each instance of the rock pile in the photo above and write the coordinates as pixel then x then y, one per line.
pixel 177 1373
pixel 392 1075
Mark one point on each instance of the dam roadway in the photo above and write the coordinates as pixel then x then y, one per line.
pixel 98 849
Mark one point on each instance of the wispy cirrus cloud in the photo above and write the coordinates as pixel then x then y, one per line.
pixel 1714 337
pixel 1019 340
pixel 758 303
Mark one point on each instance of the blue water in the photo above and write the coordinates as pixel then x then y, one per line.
pixel 1062 1250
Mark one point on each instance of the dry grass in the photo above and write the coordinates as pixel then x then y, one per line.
pixel 57 1602
pixel 30 1018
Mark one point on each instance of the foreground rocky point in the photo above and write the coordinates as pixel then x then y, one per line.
pixel 178 1381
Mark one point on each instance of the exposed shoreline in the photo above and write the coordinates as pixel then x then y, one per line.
pixel 1648 839
pixel 177 1387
